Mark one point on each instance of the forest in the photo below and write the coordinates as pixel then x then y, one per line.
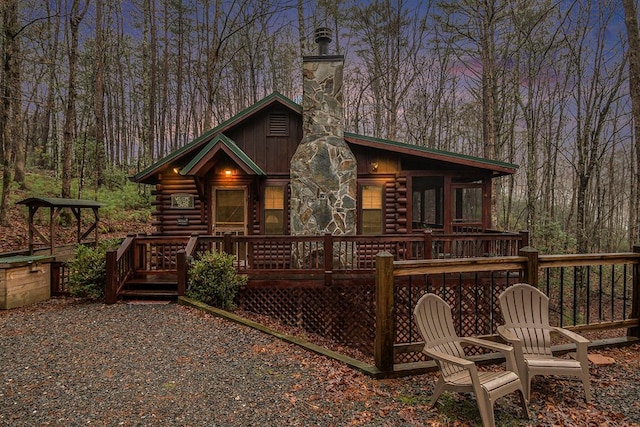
pixel 95 91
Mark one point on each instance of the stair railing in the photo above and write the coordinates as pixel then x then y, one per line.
pixel 120 267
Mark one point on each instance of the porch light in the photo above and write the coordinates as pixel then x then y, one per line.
pixel 176 170
pixel 227 173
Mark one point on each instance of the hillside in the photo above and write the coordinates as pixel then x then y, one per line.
pixel 124 211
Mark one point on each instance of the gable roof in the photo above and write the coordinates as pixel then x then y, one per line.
pixel 147 175
pixel 221 143
pixel 212 144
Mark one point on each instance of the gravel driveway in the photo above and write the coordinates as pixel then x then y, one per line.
pixel 69 364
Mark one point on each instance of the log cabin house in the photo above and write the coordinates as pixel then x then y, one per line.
pixel 236 178
pixel 280 168
pixel 289 189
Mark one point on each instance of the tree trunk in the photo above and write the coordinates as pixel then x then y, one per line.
pixel 633 36
pixel 75 17
pixel 10 92
pixel 98 101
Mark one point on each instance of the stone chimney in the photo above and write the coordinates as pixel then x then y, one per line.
pixel 323 168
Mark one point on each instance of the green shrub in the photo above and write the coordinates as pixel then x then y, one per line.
pixel 214 281
pixel 87 271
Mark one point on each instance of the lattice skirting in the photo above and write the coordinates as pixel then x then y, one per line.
pixel 344 314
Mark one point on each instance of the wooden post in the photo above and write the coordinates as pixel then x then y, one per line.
pixel 55 277
pixel 385 322
pixel 52 218
pixel 96 221
pixel 428 244
pixel 531 269
pixel 635 302
pixel 227 244
pixel 110 291
pixel 524 234
pixel 182 272
pixel 140 253
pixel 328 259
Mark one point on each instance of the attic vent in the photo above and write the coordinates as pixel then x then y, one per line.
pixel 278 124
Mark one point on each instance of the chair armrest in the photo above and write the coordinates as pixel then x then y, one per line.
pixel 492 345
pixel 507 351
pixel 576 338
pixel 508 335
pixel 448 358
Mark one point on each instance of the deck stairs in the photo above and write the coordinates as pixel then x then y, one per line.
pixel 156 285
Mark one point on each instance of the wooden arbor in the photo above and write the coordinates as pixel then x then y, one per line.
pixel 56 205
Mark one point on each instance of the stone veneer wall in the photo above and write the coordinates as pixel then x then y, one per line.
pixel 323 168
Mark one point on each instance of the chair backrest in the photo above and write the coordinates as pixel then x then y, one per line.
pixel 526 312
pixel 435 324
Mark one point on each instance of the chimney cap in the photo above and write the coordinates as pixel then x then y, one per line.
pixel 323 38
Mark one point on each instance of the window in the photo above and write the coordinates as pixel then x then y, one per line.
pixel 230 208
pixel 428 207
pixel 468 204
pixel 274 217
pixel 371 212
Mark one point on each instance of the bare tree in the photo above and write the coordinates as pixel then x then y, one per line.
pixel 598 77
pixel 98 95
pixel 389 36
pixel 633 53
pixel 10 76
pixel 76 15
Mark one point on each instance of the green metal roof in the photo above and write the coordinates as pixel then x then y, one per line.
pixel 229 144
pixel 499 167
pixel 432 152
pixel 59 202
pixel 274 97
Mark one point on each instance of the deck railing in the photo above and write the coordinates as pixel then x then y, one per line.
pixel 59 278
pixel 592 292
pixel 351 253
pixel 141 255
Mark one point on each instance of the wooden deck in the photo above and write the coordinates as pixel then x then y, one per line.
pixel 158 265
pixel 336 287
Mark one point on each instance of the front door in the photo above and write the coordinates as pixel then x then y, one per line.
pixel 229 210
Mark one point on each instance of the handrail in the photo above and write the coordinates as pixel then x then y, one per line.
pixel 191 245
pixel 118 271
pixel 530 266
pixel 576 260
pixel 125 246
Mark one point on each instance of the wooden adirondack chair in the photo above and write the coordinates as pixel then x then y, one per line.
pixel 433 317
pixel 526 315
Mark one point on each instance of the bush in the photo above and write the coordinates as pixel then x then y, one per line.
pixel 87 271
pixel 214 281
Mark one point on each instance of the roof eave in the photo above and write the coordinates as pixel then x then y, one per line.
pixel 498 168
pixel 148 175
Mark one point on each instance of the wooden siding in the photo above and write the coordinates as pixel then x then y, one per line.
pixel 271 153
pixel 401 204
pixel 385 162
pixel 24 284
pixel 393 170
pixel 171 221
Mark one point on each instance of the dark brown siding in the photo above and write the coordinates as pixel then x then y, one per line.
pixel 401 205
pixel 390 213
pixel 168 220
pixel 272 153
pixel 375 161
